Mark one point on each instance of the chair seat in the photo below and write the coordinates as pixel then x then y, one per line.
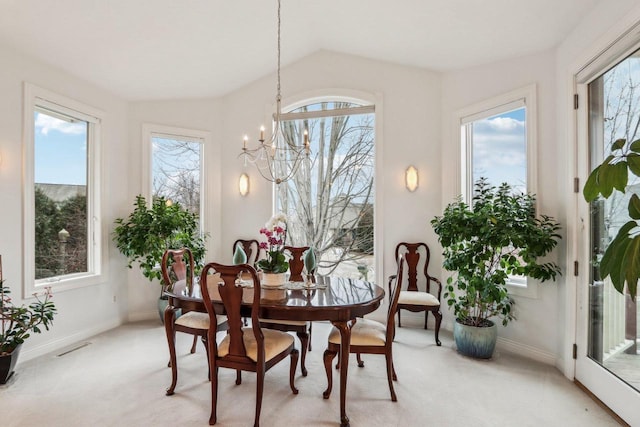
pixel 275 342
pixel 285 322
pixel 364 332
pixel 418 298
pixel 197 320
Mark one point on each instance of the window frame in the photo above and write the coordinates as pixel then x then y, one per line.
pixel 518 98
pixel 37 97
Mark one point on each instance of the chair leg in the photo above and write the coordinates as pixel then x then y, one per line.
pixel 438 316
pixel 238 377
pixel 399 320
pixel 169 318
pixel 360 362
pixel 426 318
pixel 390 375
pixel 206 347
pixel 214 394
pixel 292 370
pixel 393 371
pixel 310 328
pixel 193 346
pixel 328 360
pixel 259 390
pixel 304 343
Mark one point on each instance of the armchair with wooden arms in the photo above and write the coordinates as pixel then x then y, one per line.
pixel 412 298
pixel 243 348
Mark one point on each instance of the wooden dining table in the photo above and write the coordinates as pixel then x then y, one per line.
pixel 336 299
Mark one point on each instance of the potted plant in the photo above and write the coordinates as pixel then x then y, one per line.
pixel 17 324
pixel 498 236
pixel 275 265
pixel 148 232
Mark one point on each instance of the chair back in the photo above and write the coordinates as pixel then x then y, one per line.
pixel 296 262
pixel 394 297
pixel 230 288
pixel 412 253
pixel 251 247
pixel 177 268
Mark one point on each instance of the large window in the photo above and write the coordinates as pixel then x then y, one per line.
pixel 62 217
pixel 330 201
pixel 497 143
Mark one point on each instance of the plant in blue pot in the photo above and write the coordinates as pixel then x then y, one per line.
pixel 495 238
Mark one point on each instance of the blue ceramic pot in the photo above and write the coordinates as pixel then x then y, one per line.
pixel 474 341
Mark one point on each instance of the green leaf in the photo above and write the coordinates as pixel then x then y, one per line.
pixel 618 144
pixel 632 265
pixel 634 206
pixel 591 190
pixel 620 175
pixel 635 146
pixel 612 263
pixel 633 161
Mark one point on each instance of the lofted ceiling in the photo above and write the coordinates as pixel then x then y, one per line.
pixel 164 49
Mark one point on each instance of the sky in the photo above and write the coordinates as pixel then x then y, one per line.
pixel 499 149
pixel 60 151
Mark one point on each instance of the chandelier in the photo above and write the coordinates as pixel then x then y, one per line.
pixel 276 159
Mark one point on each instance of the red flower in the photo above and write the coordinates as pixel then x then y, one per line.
pixel 263 245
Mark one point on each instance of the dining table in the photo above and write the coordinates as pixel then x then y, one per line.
pixel 339 300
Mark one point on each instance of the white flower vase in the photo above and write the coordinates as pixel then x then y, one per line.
pixel 273 279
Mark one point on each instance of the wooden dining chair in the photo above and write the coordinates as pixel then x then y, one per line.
pixel 251 247
pixel 412 298
pixel 243 348
pixel 178 274
pixel 302 328
pixel 369 337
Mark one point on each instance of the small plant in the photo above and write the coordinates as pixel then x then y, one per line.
pixel 484 244
pixel 19 322
pixel 147 233
pixel 275 231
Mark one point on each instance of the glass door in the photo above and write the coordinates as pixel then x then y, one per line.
pixel 608 361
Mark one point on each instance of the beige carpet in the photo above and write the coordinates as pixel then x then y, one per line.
pixel 120 377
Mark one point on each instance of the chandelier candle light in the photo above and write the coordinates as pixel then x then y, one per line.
pixel 276 159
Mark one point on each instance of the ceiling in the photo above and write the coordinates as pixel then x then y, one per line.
pixel 165 49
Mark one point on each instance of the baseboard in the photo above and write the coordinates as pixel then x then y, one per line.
pixel 526 351
pixel 68 340
pixel 508 345
pixel 142 315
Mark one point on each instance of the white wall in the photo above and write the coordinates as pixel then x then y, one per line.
pixel 534 332
pixel 82 312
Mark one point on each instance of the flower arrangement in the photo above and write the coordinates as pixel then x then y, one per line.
pixel 275 232
pixel 19 322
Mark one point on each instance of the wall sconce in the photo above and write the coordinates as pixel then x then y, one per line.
pixel 411 178
pixel 243 184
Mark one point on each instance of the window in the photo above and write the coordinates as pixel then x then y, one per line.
pixel 329 203
pixel 62 227
pixel 175 165
pixel 497 143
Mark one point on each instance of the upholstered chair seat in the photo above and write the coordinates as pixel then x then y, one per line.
pixel 418 298
pixel 365 332
pixel 275 342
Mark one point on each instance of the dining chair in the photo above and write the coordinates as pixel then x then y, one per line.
pixel 177 268
pixel 243 348
pixel 251 247
pixel 369 337
pixel 412 298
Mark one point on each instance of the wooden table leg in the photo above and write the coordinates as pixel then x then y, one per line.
pixel 169 319
pixel 345 342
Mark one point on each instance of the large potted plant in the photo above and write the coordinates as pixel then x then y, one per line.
pixel 275 264
pixel 497 236
pixel 17 324
pixel 149 231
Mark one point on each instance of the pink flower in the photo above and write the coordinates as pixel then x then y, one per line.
pixel 263 230
pixel 268 233
pixel 273 241
pixel 263 245
pixel 279 230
